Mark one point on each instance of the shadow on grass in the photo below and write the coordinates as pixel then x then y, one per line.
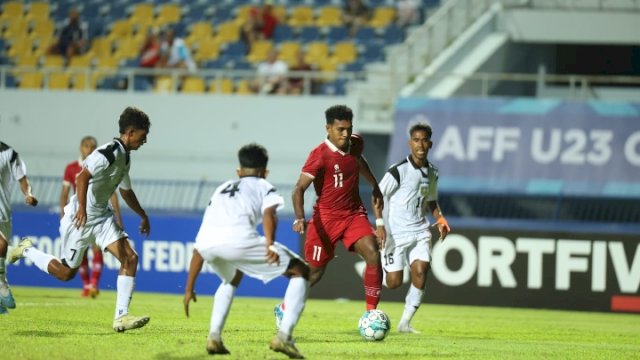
pixel 171 356
pixel 38 333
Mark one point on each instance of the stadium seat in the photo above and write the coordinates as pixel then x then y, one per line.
pixel 309 34
pixel 206 49
pixel 373 53
pixel 42 45
pixel 288 51
pixel 12 10
pixel 345 52
pixel 142 10
pixel 38 11
pixel 242 14
pixel 259 51
pixel 31 80
pixel 336 87
pixel 199 31
pixel 282 33
pixel 15 27
pixel 58 81
pixel 382 16
pixel 142 83
pixel 170 13
pixel 317 52
pixel 19 46
pixel 43 28
pixel 329 16
pixel 120 29
pixel 280 12
pixel 235 49
pixel 193 84
pixel 228 32
pixel 53 61
pixel 163 84
pixel 27 59
pixel 223 86
pixel 243 87
pixel 365 35
pixel 301 16
pixel 127 47
pixel 337 34
pixel 10 81
pixel 393 34
pixel 80 61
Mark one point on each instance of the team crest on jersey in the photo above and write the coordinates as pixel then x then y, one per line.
pixel 336 168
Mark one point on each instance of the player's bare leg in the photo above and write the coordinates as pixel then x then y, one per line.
pixel 125 284
pixel 419 270
pixel 222 301
pixel 295 298
pixel 6 298
pixel 367 247
pixel 43 261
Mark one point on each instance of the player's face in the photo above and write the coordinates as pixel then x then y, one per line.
pixel 87 148
pixel 419 145
pixel 339 133
pixel 136 138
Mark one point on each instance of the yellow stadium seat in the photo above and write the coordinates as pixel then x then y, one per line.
pixel 59 81
pixel 228 32
pixel 223 86
pixel 382 16
pixel 345 52
pixel 12 10
pixel 19 46
pixel 288 51
pixel 163 84
pixel 193 85
pixel 317 52
pixel 242 15
pixel 329 16
pixel 121 28
pixel 107 62
pixel 15 27
pixel 127 48
pixel 82 82
pixel 38 10
pixel 328 69
pixel 101 46
pixel 243 87
pixel 80 61
pixel 259 51
pixel 42 44
pixel 31 80
pixel 140 26
pixel 200 30
pixel 207 49
pixel 170 12
pixel 43 28
pixel 141 11
pixel 301 16
pixel 53 61
pixel 280 12
pixel 27 59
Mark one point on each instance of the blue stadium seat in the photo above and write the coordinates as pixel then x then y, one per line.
pixel 393 34
pixel 117 82
pixel 355 66
pixel 337 34
pixel 308 34
pixel 373 53
pixel 336 87
pixel 10 81
pixel 365 36
pixel 219 63
pixel 282 33
pixel 130 63
pixel 142 83
pixel 235 49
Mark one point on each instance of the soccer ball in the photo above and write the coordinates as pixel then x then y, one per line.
pixel 374 325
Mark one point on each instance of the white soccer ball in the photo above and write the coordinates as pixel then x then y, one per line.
pixel 374 325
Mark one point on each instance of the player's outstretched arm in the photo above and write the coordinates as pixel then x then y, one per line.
pixel 25 187
pixel 297 198
pixel 132 201
pixel 194 270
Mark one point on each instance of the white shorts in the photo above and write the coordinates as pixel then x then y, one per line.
pixel 248 256
pixel 398 253
pixel 75 242
pixel 5 230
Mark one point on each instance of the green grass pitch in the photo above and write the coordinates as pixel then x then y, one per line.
pixel 58 324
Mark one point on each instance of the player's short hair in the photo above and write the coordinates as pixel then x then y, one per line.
pixel 421 127
pixel 338 112
pixel 253 156
pixel 88 138
pixel 133 117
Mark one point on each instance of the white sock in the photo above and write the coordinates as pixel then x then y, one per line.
pixel 3 274
pixel 221 305
pixel 294 297
pixel 39 258
pixel 125 286
pixel 411 303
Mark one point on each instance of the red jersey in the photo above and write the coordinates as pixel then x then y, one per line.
pixel 336 176
pixel 70 172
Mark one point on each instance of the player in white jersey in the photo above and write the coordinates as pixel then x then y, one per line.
pixel 230 243
pixel 10 167
pixel 410 188
pixel 89 220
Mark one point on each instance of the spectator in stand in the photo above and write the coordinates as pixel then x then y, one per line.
pixel 150 51
pixel 72 37
pixel 408 13
pixel 355 14
pixel 261 23
pixel 296 82
pixel 271 75
pixel 174 53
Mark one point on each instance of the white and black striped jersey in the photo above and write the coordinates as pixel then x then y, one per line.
pixel 109 167
pixel 10 167
pixel 407 188
pixel 235 210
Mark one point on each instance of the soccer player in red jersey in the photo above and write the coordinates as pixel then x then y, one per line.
pixel 334 168
pixel 89 282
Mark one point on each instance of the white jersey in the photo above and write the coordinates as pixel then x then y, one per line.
pixel 109 167
pixel 10 167
pixel 407 188
pixel 235 210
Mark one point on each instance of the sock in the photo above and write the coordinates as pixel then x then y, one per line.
pixel 40 259
pixel 221 305
pixel 294 297
pixel 411 303
pixel 372 285
pixel 125 286
pixel 3 274
pixel 96 269
pixel 84 272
